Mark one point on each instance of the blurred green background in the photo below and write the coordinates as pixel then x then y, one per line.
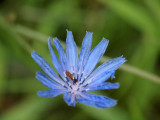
pixel 133 28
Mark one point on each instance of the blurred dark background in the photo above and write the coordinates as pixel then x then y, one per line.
pixel 133 28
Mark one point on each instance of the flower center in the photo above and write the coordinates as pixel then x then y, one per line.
pixel 74 89
pixel 74 83
pixel 68 74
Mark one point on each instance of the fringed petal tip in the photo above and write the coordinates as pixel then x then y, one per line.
pixel 113 75
pixel 105 40
pixel 40 94
pixel 33 53
pixel 68 31
pixel 123 58
pixel 37 74
pixel 55 39
pixel 88 35
pixel 118 85
pixel 89 32
pixel 69 37
pixel 49 40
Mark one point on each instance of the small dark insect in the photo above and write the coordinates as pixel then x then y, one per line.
pixel 71 76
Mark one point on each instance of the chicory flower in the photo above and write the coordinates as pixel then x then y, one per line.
pixel 76 72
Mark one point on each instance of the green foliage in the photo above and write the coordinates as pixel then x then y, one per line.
pixel 133 28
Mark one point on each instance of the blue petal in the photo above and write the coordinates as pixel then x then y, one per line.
pixel 113 75
pixel 46 68
pixel 85 49
pixel 47 81
pixel 108 67
pixel 50 93
pixel 70 99
pixel 98 80
pixel 55 60
pixel 95 56
pixel 97 101
pixel 71 53
pixel 103 86
pixel 61 53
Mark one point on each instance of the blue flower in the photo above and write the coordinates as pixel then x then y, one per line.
pixel 76 75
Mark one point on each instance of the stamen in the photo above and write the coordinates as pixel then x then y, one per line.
pixel 65 86
pixel 71 76
pixel 81 76
pixel 74 80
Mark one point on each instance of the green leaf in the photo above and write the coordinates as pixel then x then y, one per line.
pixel 31 108
pixel 3 71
